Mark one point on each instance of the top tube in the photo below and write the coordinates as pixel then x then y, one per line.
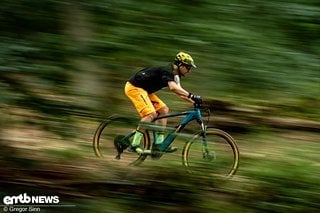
pixel 194 114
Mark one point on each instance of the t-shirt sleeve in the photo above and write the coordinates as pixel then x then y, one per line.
pixel 166 77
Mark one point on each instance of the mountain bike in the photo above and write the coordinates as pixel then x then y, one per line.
pixel 208 150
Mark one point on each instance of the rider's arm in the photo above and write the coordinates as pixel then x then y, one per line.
pixel 174 87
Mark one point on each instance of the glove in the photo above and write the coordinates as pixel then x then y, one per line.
pixel 196 98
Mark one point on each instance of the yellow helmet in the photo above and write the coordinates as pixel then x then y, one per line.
pixel 184 58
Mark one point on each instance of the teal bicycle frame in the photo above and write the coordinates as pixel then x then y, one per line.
pixel 189 116
pixel 208 138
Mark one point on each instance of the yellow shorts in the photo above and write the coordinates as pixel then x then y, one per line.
pixel 144 103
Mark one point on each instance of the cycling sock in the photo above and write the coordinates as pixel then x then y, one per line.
pixel 137 139
pixel 160 138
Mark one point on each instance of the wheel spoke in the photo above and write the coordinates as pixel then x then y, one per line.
pixel 216 154
pixel 112 139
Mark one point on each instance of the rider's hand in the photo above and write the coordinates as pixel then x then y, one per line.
pixel 196 98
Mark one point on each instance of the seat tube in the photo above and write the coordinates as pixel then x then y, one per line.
pixel 170 138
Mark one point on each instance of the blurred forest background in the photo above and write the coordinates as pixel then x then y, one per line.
pixel 63 66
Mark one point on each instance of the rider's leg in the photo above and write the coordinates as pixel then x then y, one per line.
pixel 160 133
pixel 161 122
pixel 141 101
pixel 138 135
pixel 162 109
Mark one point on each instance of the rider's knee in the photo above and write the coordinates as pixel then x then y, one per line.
pixel 164 110
pixel 150 117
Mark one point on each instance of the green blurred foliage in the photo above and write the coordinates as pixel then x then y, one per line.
pixel 243 48
pixel 63 63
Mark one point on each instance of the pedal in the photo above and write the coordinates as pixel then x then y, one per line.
pixel 171 149
pixel 155 152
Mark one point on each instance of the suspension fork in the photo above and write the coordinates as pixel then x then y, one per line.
pixel 205 150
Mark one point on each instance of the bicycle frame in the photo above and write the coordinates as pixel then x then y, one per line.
pixel 189 116
pixel 211 140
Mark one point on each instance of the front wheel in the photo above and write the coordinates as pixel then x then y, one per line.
pixel 112 138
pixel 214 152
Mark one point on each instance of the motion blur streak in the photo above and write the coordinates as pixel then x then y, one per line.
pixel 63 66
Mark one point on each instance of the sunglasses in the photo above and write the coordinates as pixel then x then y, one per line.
pixel 187 66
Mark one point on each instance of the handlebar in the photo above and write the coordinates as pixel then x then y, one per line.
pixel 199 106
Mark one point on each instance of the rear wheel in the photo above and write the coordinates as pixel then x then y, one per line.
pixel 214 154
pixel 112 138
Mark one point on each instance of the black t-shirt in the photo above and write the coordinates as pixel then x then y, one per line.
pixel 152 79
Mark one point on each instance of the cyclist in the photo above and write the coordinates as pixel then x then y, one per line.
pixel 141 88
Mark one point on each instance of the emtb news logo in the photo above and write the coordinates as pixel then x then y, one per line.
pixel 26 199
